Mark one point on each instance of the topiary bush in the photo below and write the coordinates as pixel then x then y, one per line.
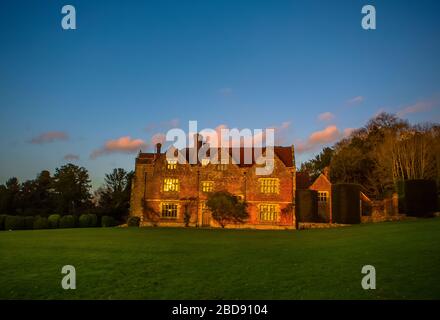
pixel 307 205
pixel 420 197
pixel 107 221
pixel 346 203
pixel 54 221
pixel 29 222
pixel 14 223
pixel 67 221
pixel 2 221
pixel 41 223
pixel 85 221
pixel 133 221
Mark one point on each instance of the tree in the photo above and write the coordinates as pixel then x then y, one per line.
pixel 72 189
pixel 227 208
pixel 315 166
pixel 114 196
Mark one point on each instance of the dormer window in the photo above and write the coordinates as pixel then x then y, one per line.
pixel 171 164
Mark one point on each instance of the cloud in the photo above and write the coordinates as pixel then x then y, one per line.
pixel 48 137
pixel 356 100
pixel 158 138
pixel 226 92
pixel 71 157
pixel 326 116
pixel 121 145
pixel 420 106
pixel 319 138
pixel 163 125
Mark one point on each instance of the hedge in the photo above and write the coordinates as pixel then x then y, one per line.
pixel 420 197
pixel 107 221
pixel 346 203
pixel 54 221
pixel 41 223
pixel 133 221
pixel 85 221
pixel 29 222
pixel 67 221
pixel 14 223
pixel 307 205
pixel 2 221
pixel 93 220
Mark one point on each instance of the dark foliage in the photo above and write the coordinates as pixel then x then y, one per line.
pixel 346 203
pixel 307 205
pixel 133 221
pixel 420 197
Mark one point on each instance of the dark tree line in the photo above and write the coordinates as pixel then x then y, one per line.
pixel 380 155
pixel 68 191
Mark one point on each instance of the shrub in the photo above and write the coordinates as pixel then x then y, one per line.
pixel 54 221
pixel 14 223
pixel 67 221
pixel 420 197
pixel 85 221
pixel 346 203
pixel 133 221
pixel 93 220
pixel 107 221
pixel 2 221
pixel 29 222
pixel 227 208
pixel 307 205
pixel 41 223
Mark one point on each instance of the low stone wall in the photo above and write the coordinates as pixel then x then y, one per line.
pixel 313 225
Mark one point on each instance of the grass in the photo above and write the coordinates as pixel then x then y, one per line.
pixel 166 263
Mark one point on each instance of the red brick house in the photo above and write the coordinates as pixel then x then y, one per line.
pixel 168 193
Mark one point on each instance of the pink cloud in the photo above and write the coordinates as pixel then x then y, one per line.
pixel 319 138
pixel 420 106
pixel 48 137
pixel 158 138
pixel 121 145
pixel 356 100
pixel 326 116
pixel 71 157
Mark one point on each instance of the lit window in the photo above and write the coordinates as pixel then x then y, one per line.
pixel 268 212
pixel 207 186
pixel 222 167
pixel 323 196
pixel 170 184
pixel 171 164
pixel 205 161
pixel 269 185
pixel 169 210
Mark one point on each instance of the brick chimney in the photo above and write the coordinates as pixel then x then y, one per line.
pixel 326 172
pixel 158 147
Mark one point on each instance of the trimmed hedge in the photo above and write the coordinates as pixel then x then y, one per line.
pixel 29 222
pixel 133 221
pixel 2 221
pixel 41 223
pixel 307 205
pixel 346 203
pixel 107 221
pixel 93 220
pixel 54 221
pixel 85 221
pixel 67 221
pixel 420 197
pixel 14 223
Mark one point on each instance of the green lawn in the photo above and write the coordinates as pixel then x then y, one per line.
pixel 166 263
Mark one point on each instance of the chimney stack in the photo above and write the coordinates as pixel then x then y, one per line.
pixel 326 172
pixel 158 147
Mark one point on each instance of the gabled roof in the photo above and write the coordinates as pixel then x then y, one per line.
pixel 283 153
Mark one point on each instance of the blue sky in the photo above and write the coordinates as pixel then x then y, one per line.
pixel 136 68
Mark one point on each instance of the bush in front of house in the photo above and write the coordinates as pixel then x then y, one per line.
pixel 67 221
pixel 346 203
pixel 84 221
pixel 420 197
pixel 107 221
pixel 29 222
pixel 2 221
pixel 133 221
pixel 307 205
pixel 54 221
pixel 41 223
pixel 14 223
